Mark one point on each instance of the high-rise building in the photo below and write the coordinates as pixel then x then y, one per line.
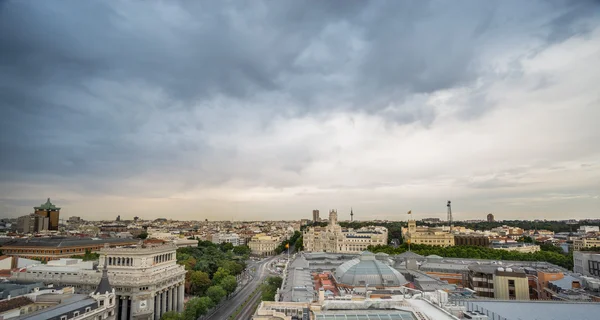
pixel 490 217
pixel 51 211
pixel 316 216
pixel 32 223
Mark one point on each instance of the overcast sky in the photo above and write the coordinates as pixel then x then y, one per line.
pixel 269 109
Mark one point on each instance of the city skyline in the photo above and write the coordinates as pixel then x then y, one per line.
pixel 268 110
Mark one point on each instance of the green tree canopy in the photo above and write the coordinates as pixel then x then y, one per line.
pixel 171 315
pixel 242 250
pixel 220 275
pixel 199 282
pixel 229 283
pixel 216 293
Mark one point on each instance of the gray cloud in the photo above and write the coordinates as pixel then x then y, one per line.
pixel 96 94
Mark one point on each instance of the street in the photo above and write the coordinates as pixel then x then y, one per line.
pixel 231 305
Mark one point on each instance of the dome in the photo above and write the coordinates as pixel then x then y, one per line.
pixel 366 270
pixel 434 256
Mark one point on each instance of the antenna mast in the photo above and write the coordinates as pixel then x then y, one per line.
pixel 449 215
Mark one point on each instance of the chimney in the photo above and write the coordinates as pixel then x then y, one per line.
pixel 321 295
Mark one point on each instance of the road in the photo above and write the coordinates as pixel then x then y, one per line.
pixel 232 304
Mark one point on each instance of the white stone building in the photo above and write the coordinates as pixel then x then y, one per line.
pixel 334 239
pixel 147 279
pixel 232 238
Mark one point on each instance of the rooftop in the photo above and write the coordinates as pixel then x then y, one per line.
pixel 47 206
pixel 62 242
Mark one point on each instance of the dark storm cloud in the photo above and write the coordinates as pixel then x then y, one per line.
pixel 75 76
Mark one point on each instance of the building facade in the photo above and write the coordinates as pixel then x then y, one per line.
pixel 334 239
pixel 586 242
pixel 32 223
pixel 232 238
pixel 471 240
pixel 432 237
pixel 50 211
pixel 316 217
pixel 499 282
pixel 46 249
pixel 147 279
pixel 264 245
pixel 587 263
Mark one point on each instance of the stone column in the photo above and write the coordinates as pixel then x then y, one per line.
pixel 174 300
pixel 164 302
pixel 169 299
pixel 180 297
pixel 131 309
pixel 156 307
pixel 124 307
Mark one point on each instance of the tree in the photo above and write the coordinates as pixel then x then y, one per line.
pixel 299 245
pixel 143 235
pixel 242 250
pixel 269 288
pixel 229 283
pixel 171 315
pixel 199 282
pixel 216 293
pixel 226 246
pixel 220 275
pixel 525 239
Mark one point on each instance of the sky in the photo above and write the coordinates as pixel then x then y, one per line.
pixel 266 110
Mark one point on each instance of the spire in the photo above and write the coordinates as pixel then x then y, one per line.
pixel 351 214
pixel 104 285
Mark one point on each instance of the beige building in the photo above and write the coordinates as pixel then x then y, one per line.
pixel 499 282
pixel 334 239
pixel 147 279
pixel 264 245
pixel 586 242
pixel 428 236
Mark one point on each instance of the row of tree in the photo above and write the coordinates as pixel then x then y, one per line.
pixel 472 252
pixel 289 242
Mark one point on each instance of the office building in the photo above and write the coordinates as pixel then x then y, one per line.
pixel 333 238
pixel 32 223
pixel 592 241
pixel 316 217
pixel 587 263
pixel 498 282
pixel 232 238
pixel 50 211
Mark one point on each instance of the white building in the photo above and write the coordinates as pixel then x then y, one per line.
pixel 147 279
pixel 586 229
pixel 232 238
pixel 334 239
pixel 586 263
pixel 264 245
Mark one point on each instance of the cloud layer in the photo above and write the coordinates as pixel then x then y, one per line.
pixel 266 110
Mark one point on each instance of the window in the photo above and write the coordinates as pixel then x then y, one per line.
pixel 88 309
pixel 75 314
pixel 63 317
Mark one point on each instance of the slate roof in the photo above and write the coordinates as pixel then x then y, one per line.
pixel 64 242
